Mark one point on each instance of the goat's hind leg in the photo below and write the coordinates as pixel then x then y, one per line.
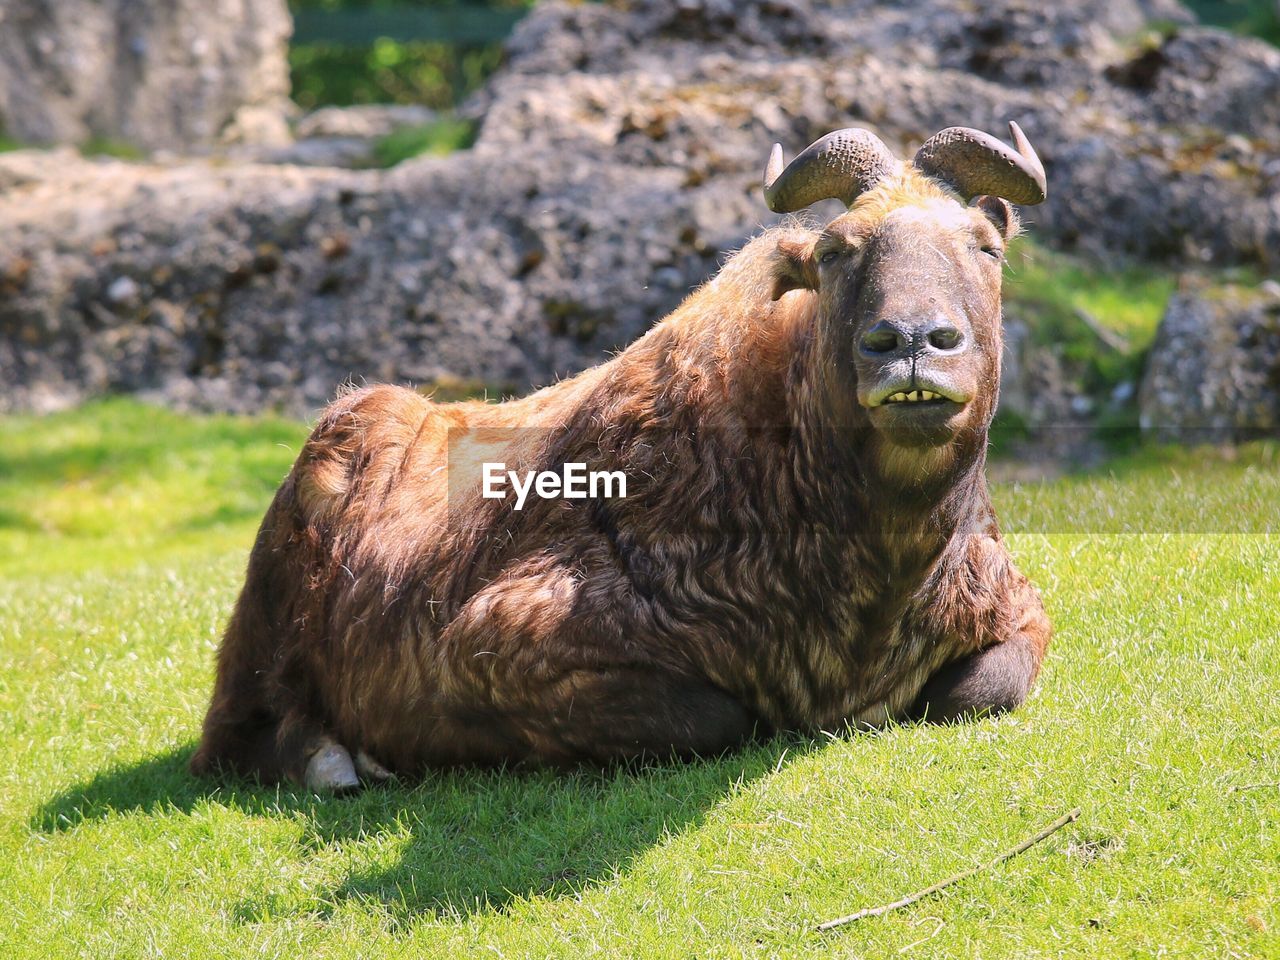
pixel 638 714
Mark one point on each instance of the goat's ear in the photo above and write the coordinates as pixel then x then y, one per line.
pixel 793 267
pixel 1001 214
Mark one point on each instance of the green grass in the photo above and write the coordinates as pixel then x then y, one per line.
pixel 1099 320
pixel 118 481
pixel 123 534
pixel 1155 491
pixel 438 74
pixel 1128 300
pixel 1258 18
pixel 442 136
pixel 1058 295
pixel 437 67
pixel 108 147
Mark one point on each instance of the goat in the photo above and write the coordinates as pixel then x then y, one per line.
pixel 806 539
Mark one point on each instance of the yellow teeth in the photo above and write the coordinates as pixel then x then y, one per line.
pixel 913 397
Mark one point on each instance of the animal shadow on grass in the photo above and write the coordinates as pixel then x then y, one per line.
pixel 477 839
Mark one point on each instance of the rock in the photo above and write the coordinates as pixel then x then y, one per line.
pixel 1213 375
pixel 1035 386
pixel 258 127
pixel 462 267
pixel 345 136
pixel 354 153
pixel 155 74
pixel 1226 82
pixel 366 121
pixel 1137 134
pixel 123 291
pixel 22 167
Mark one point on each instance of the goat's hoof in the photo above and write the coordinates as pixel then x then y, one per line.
pixel 330 770
pixel 370 769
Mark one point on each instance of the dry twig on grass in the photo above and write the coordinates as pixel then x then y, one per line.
pixel 1242 788
pixel 906 901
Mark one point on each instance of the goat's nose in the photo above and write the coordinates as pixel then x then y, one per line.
pixel 942 336
pixel 893 338
pixel 886 337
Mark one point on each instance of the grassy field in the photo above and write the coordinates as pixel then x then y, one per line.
pixel 123 533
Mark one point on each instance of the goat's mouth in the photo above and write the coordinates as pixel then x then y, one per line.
pixel 916 394
pixel 916 412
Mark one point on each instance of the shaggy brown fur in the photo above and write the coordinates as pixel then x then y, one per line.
pixel 780 560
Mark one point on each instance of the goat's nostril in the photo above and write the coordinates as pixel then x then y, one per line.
pixel 945 337
pixel 881 339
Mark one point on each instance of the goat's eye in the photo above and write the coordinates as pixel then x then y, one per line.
pixel 995 253
pixel 829 256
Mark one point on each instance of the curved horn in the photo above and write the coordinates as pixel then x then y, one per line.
pixel 842 164
pixel 973 163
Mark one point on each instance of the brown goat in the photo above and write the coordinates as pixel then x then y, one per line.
pixel 806 539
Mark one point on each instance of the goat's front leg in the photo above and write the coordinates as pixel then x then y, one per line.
pixel 993 680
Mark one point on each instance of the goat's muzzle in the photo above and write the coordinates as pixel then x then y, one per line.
pixel 914 377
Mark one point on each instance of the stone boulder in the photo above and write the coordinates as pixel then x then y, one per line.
pixel 247 287
pixel 1213 375
pixel 344 136
pixel 1158 143
pixel 177 75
